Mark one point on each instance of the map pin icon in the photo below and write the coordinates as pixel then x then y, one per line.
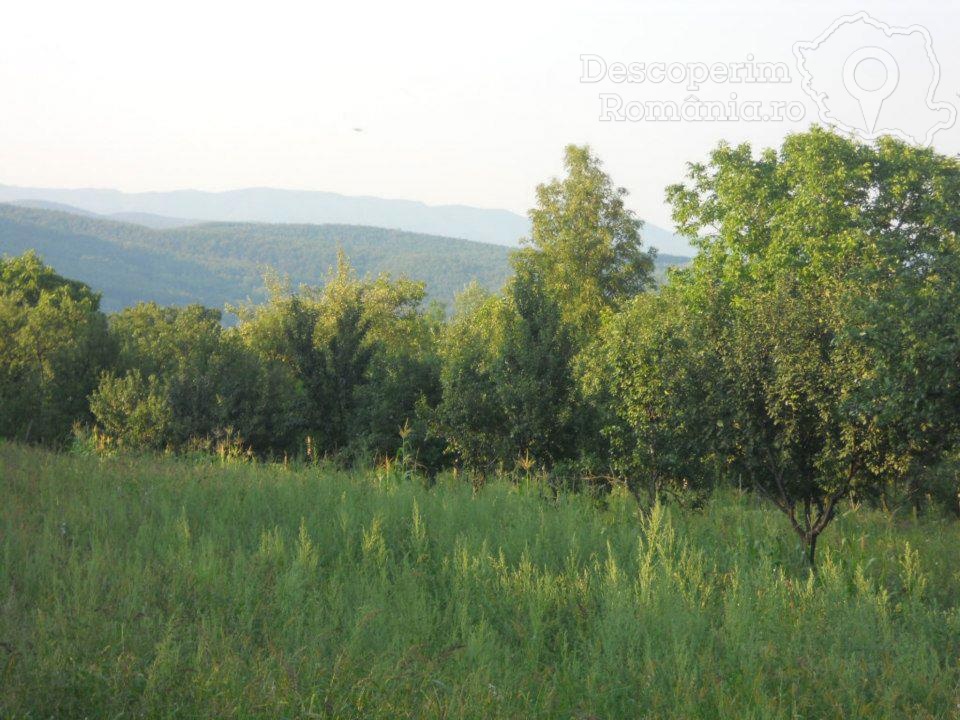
pixel 870 100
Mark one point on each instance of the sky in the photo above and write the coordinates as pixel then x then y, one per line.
pixel 436 101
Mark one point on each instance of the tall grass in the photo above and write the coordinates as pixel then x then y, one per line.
pixel 162 588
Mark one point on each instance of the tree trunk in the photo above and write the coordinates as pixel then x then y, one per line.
pixel 815 517
pixel 653 489
pixel 812 550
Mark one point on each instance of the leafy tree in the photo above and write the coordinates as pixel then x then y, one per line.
pixel 403 378
pixel 509 381
pixel 586 255
pixel 586 243
pixel 345 352
pixel 507 378
pixel 180 348
pixel 646 373
pixel 208 383
pixel 828 277
pixel 340 342
pixel 53 345
pixel 534 376
pixel 282 332
pixel 470 416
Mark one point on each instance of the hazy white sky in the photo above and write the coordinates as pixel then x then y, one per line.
pixel 457 104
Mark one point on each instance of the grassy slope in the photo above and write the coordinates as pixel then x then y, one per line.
pixel 162 588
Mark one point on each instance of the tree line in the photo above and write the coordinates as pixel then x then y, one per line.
pixel 811 351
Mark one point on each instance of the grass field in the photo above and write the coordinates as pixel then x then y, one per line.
pixel 166 588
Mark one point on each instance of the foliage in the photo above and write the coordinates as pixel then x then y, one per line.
pixel 587 243
pixel 830 271
pixel 402 381
pixel 132 411
pixel 509 382
pixel 508 390
pixel 53 344
pixel 361 350
pixel 645 371
pixel 534 375
pixel 181 366
pixel 470 416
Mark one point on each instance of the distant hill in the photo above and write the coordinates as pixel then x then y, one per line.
pixel 48 205
pixel 158 222
pixel 291 206
pixel 219 263
pixel 269 205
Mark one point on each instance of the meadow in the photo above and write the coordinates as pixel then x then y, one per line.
pixel 161 587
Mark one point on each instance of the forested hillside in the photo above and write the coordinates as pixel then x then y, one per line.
pixel 277 205
pixel 218 263
pixel 223 263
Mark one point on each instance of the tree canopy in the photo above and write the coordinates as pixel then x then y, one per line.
pixel 825 289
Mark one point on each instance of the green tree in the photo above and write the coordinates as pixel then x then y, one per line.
pixel 587 243
pixel 509 363
pixel 827 279
pixel 210 384
pixel 281 332
pixel 508 389
pixel 353 346
pixel 403 378
pixel 533 374
pixel 646 373
pixel 180 348
pixel 470 416
pixel 53 345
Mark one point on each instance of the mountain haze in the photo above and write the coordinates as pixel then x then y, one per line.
pixel 269 205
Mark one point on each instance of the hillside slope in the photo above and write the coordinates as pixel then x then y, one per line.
pixel 219 263
pixel 275 205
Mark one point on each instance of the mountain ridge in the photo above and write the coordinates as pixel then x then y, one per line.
pixel 315 207
pixel 222 263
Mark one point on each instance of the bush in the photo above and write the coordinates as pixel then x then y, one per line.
pixel 132 411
